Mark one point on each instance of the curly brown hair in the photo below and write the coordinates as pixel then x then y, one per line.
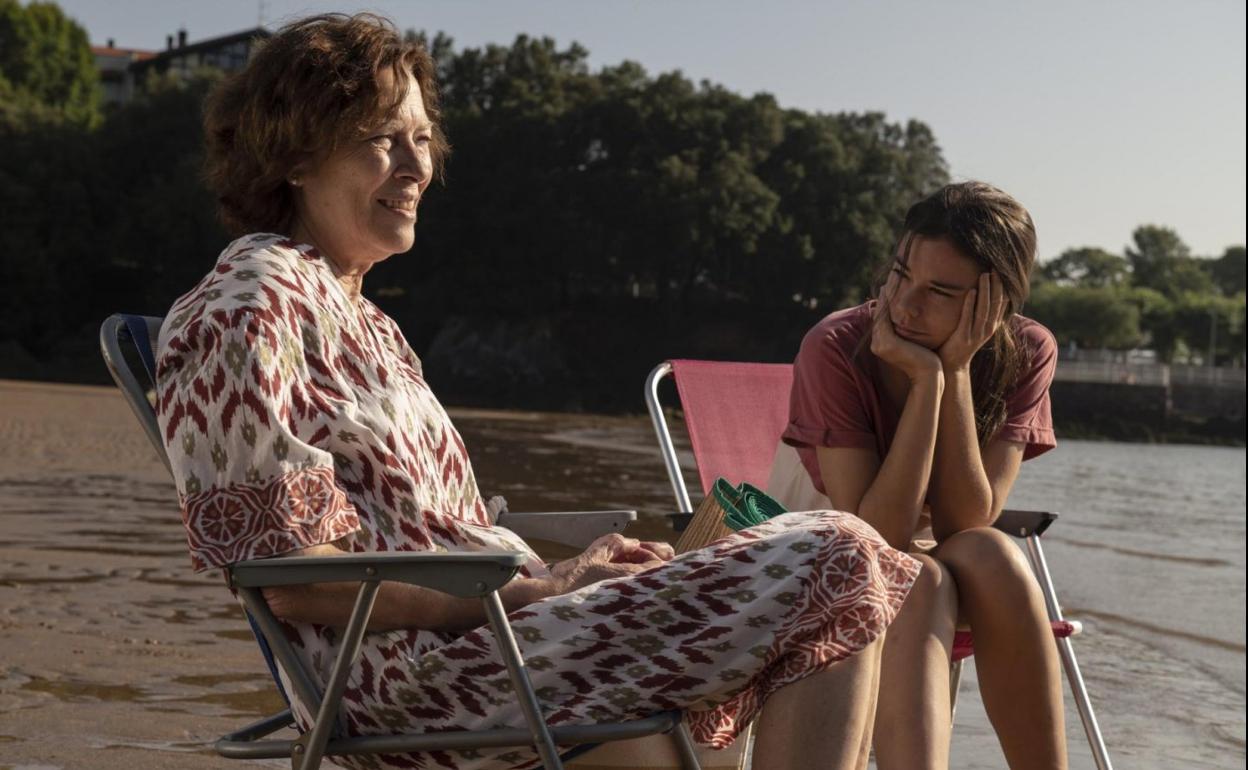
pixel 317 83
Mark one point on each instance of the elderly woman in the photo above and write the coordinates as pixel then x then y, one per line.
pixel 298 421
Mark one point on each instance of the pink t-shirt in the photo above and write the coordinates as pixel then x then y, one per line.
pixel 836 399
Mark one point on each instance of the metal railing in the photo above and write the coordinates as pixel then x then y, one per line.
pixel 1163 375
pixel 1218 376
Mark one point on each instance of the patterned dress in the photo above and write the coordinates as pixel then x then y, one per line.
pixel 294 416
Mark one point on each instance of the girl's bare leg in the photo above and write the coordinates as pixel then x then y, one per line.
pixel 912 722
pixel 1015 657
pixel 823 721
pixel 864 750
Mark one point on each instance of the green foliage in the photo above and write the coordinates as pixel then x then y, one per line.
pixel 1158 296
pixel 1156 321
pixel 1211 323
pixel 46 66
pixel 570 194
pixel 569 187
pixel 1160 260
pixel 1089 316
pixel 97 221
pixel 1088 266
pixel 1153 254
pixel 1228 271
pixel 845 182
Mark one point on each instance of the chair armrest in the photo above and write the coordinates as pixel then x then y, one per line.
pixel 458 574
pixel 575 528
pixel 1024 523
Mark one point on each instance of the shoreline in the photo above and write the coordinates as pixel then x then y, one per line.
pixel 1109 430
pixel 1085 432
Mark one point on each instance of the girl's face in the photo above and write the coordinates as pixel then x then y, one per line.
pixel 928 287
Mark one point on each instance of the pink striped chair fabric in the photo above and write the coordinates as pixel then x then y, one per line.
pixel 735 413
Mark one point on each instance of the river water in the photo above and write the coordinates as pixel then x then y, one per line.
pixel 1148 553
pixel 114 655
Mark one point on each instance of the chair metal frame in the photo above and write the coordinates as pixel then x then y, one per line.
pixel 465 575
pixel 1027 526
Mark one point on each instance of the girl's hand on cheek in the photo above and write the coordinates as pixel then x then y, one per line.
pixel 913 359
pixel 982 311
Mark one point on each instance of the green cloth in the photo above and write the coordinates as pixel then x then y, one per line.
pixel 745 505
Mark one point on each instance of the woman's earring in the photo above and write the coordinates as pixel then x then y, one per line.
pixel 295 182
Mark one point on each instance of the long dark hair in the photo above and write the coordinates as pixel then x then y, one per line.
pixel 991 228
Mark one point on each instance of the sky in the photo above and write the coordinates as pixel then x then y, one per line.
pixel 1098 116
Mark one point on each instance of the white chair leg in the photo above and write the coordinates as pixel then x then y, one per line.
pixel 955 681
pixel 522 687
pixel 1067 652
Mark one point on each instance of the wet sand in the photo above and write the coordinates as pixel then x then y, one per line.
pixel 113 654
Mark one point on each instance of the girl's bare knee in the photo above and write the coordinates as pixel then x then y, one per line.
pixel 988 566
pixel 934 588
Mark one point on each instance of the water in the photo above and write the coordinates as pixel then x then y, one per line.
pixel 114 655
pixel 1148 554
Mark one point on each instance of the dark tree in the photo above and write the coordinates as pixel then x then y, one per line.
pixel 45 65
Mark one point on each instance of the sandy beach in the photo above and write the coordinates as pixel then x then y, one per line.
pixel 106 657
pixel 113 654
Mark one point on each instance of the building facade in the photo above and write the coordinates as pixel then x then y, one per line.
pixel 113 64
pixel 124 71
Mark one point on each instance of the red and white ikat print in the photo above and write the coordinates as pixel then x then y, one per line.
pixel 293 417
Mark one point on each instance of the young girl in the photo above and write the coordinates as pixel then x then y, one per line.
pixel 915 411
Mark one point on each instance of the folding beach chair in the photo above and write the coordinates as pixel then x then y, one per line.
pixel 735 414
pixel 126 342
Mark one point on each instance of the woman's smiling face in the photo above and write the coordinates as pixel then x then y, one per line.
pixel 929 282
pixel 358 206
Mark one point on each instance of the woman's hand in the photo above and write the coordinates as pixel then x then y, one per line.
pixel 982 310
pixel 911 358
pixel 610 556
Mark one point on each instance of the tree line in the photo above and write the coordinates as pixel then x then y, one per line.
pixel 591 223
pixel 1155 295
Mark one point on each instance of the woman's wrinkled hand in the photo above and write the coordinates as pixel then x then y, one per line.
pixel 982 311
pixel 911 358
pixel 610 556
